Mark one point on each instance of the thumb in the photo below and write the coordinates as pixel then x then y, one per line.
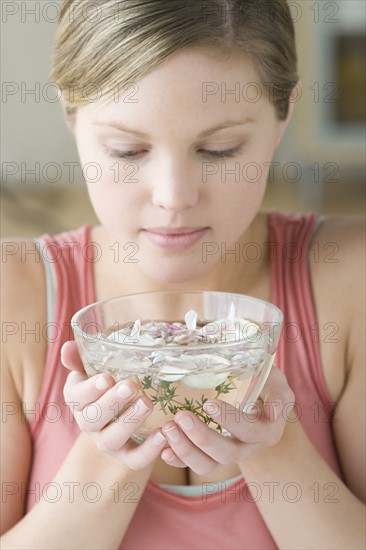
pixel 277 394
pixel 70 357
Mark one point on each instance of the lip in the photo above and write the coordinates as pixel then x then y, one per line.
pixel 173 230
pixel 176 241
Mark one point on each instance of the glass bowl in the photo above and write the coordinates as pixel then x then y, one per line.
pixel 236 338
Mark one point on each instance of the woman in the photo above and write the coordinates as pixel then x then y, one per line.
pixel 166 102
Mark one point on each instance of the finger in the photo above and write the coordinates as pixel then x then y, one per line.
pixel 80 391
pixel 140 456
pixel 231 450
pixel 186 449
pixel 70 357
pixel 246 427
pixel 114 436
pixel 97 414
pixel 169 456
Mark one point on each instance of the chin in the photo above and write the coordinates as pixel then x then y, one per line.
pixel 172 272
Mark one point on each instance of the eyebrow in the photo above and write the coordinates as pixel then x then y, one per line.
pixel 212 130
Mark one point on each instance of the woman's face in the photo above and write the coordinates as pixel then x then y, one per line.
pixel 181 118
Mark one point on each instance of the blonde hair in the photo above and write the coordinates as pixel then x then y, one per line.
pixel 103 47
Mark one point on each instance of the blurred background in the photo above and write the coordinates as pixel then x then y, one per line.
pixel 319 166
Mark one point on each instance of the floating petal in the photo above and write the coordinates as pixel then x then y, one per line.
pixel 191 319
pixel 231 315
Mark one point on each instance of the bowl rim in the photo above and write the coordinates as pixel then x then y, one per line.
pixel 136 347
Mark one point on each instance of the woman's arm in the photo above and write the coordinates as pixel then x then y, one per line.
pixel 302 501
pixel 328 514
pixel 94 518
pixel 74 521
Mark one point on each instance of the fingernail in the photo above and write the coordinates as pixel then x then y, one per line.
pixel 172 433
pixel 277 410
pixel 124 390
pixel 186 422
pixel 168 457
pixel 158 438
pixel 142 408
pixel 101 383
pixel 275 405
pixel 248 407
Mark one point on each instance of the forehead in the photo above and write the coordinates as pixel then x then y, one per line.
pixel 191 85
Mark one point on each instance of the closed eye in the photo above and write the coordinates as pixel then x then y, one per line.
pixel 227 153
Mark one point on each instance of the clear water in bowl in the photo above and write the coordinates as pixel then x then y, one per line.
pixel 174 380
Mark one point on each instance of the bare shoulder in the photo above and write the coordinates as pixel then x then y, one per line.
pixel 340 289
pixel 23 307
pixel 336 260
pixel 340 237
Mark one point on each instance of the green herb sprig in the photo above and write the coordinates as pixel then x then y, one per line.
pixel 165 394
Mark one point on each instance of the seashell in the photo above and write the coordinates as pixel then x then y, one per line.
pixel 210 379
pixel 146 340
pixel 160 341
pixel 183 338
pixel 184 361
pixel 204 381
pixel 171 374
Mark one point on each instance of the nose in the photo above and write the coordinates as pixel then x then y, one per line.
pixel 174 190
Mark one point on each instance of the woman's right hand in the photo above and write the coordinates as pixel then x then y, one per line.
pixel 102 409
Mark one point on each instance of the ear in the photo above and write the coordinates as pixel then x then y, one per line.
pixel 294 97
pixel 69 118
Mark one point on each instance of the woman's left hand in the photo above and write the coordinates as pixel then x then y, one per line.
pixel 203 449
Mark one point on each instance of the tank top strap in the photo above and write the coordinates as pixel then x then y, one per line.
pixel 291 238
pixel 67 258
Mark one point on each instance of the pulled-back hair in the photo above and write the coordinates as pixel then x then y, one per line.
pixel 103 46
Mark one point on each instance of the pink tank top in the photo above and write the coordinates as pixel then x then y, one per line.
pixel 217 518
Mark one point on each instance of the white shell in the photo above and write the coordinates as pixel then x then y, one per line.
pixel 183 338
pixel 205 381
pixel 182 362
pixel 171 374
pixel 160 341
pixel 146 340
pixel 210 379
